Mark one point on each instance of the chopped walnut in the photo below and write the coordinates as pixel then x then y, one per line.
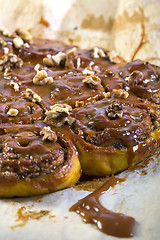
pixel 2 42
pixel 87 71
pixel 5 32
pixel 98 52
pixel 114 57
pixel 48 134
pixel 18 42
pixel 59 59
pixel 59 115
pixel 120 93
pixel 48 62
pixel 10 61
pixel 34 97
pixel 70 56
pixel 114 110
pixel 78 62
pixel 13 112
pixel 42 78
pixel 92 81
pixel 58 109
pixel 79 104
pixel 135 78
pixel 14 85
pixel 24 35
pixel 38 67
pixel 107 95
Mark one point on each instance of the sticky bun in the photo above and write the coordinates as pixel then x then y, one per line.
pixel 63 109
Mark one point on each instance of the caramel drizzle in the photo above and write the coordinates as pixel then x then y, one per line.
pixel 91 210
pixel 142 40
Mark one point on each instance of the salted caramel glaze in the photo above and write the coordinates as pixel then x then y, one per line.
pixel 66 112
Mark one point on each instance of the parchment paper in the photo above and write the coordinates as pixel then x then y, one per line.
pixel 130 27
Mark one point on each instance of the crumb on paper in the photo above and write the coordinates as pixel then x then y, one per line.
pixel 24 215
pixel 44 22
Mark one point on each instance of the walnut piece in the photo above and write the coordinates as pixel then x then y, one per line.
pixel 92 81
pixel 42 78
pixel 135 78
pixel 98 53
pixel 120 93
pixel 18 42
pixel 13 112
pixel 24 35
pixel 14 85
pixel 48 134
pixel 78 62
pixel 58 115
pixel 32 96
pixel 5 32
pixel 10 61
pixel 114 57
pixel 2 42
pixel 70 57
pixel 79 104
pixel 48 62
pixel 107 95
pixel 88 71
pixel 59 59
pixel 58 109
pixel 114 110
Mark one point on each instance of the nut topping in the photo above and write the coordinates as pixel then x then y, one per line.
pixel 120 93
pixel 98 52
pixel 107 95
pixel 92 81
pixel 10 61
pixel 24 35
pixel 87 71
pixel 79 104
pixel 114 57
pixel 48 62
pixel 59 59
pixel 58 109
pixel 70 56
pixel 114 110
pixel 59 115
pixel 48 134
pixel 135 78
pixel 12 112
pixel 34 97
pixel 42 78
pixel 5 32
pixel 18 42
pixel 14 85
pixel 2 42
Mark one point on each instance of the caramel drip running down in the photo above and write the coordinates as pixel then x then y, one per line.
pixel 90 208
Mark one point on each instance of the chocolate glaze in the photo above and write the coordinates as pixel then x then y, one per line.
pixel 91 210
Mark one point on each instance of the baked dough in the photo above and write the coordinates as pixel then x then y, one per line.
pixel 60 105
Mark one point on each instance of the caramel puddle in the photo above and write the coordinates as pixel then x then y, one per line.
pixel 91 210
